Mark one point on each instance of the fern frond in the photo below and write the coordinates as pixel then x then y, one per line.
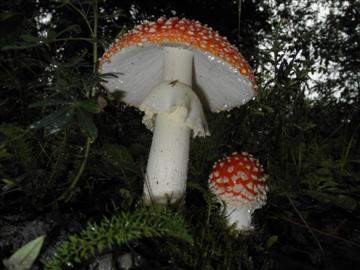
pixel 114 232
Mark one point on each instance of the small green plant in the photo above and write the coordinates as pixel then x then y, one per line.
pixel 116 231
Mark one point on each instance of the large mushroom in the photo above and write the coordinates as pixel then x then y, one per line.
pixel 239 181
pixel 158 64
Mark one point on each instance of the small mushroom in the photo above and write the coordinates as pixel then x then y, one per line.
pixel 239 181
pixel 158 65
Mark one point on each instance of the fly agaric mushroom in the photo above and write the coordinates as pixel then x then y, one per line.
pixel 239 181
pixel 158 63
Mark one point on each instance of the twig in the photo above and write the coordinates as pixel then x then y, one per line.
pixel 306 224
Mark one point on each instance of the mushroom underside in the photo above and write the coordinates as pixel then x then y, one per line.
pixel 140 68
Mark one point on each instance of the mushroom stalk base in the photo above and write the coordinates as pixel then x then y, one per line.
pixel 166 173
pixel 240 216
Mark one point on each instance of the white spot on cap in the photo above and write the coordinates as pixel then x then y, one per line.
pixel 227 196
pixel 230 169
pixel 263 197
pixel 250 185
pixel 238 188
pixel 216 173
pixel 225 179
pixel 243 176
pixel 253 176
pixel 234 177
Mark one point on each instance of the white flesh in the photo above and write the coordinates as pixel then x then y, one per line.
pixel 167 165
pixel 240 216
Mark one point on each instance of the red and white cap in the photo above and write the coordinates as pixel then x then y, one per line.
pixel 221 75
pixel 239 181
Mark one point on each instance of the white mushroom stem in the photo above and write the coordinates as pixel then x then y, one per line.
pixel 167 165
pixel 172 111
pixel 178 65
pixel 240 216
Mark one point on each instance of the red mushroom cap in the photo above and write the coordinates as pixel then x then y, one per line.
pixel 184 32
pixel 239 180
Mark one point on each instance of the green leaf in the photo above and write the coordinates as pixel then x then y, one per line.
pixel 7 15
pixel 8 182
pixel 51 35
pixel 4 154
pixel 258 113
pixel 24 257
pixel 18 47
pixel 56 121
pixel 46 103
pixel 29 38
pixel 271 241
pixel 89 106
pixel 86 124
pixel 268 109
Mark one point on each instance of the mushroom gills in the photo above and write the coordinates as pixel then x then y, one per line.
pixel 141 69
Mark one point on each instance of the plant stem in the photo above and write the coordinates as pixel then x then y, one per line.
pixel 322 232
pixel 82 14
pixel 66 195
pixel 95 42
pixel 239 15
